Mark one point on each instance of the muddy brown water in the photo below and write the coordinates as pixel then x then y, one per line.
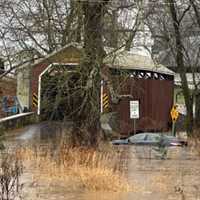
pixel 176 177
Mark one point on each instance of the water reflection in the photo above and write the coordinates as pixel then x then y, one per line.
pixel 83 196
pixel 46 132
pixel 151 177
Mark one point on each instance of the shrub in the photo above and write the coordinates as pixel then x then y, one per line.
pixel 11 170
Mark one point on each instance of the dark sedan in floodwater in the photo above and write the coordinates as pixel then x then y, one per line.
pixel 151 139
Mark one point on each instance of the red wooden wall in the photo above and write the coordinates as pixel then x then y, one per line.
pixel 155 102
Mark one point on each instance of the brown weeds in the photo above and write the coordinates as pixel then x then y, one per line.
pixel 194 142
pixel 86 168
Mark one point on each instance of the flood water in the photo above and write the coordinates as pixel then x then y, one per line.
pixel 176 177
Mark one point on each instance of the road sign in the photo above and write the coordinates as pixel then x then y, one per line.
pixel 35 100
pixel 174 113
pixel 134 109
pixel 105 102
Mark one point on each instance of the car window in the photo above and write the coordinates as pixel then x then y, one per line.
pixel 153 137
pixel 137 138
pixel 171 138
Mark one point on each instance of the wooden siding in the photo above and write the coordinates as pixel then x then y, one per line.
pixel 155 101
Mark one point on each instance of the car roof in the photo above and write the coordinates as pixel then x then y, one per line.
pixel 148 133
pixel 154 134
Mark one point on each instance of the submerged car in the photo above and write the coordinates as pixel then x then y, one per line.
pixel 154 139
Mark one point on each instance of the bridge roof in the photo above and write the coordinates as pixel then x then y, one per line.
pixel 119 59
pixel 129 60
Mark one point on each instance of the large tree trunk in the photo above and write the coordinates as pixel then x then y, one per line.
pixel 87 120
pixel 197 90
pixel 197 110
pixel 181 68
pixel 114 33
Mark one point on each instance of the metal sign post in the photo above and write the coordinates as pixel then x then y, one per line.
pixel 134 126
pixel 134 112
pixel 173 128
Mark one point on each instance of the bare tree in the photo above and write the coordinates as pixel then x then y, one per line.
pixel 32 29
pixel 180 62
pixel 37 28
pixel 174 28
pixel 196 9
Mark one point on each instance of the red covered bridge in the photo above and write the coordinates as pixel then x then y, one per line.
pixel 133 77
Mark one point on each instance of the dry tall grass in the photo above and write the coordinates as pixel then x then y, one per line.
pixel 83 168
pixel 194 141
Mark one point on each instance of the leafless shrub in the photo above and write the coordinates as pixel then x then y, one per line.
pixel 11 170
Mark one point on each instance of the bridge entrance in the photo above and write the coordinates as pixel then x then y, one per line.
pixel 53 89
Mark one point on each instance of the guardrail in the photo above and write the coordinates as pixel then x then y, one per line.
pixel 15 120
pixel 15 116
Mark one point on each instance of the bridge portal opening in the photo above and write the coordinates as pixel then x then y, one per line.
pixel 55 90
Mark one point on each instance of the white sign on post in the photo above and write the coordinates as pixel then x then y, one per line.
pixel 134 109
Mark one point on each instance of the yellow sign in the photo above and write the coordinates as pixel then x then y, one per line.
pixel 35 100
pixel 105 101
pixel 174 113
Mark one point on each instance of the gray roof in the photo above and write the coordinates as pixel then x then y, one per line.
pixel 118 59
pixel 129 60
